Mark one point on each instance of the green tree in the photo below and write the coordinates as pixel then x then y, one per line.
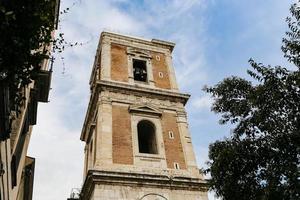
pixel 261 158
pixel 27 40
pixel 26 31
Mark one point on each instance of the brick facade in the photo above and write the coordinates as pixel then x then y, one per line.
pixel 159 65
pixel 121 135
pixel 173 147
pixel 119 65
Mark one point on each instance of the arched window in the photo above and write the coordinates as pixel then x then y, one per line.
pixel 147 137
pixel 139 70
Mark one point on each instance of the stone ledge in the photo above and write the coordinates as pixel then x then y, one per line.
pixel 95 177
pixel 116 86
pixel 149 156
pixel 156 42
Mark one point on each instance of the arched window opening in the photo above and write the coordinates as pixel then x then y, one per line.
pixel 139 70
pixel 146 137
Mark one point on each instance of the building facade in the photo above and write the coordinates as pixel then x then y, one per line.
pixel 16 168
pixel 138 145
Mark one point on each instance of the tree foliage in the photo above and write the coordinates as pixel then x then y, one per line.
pixel 26 30
pixel 261 158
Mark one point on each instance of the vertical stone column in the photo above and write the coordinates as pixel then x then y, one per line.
pixel 106 59
pixel 171 70
pixel 130 69
pixel 150 72
pixel 85 167
pixel 186 141
pixel 104 132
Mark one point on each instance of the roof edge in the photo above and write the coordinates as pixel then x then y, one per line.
pixel 168 44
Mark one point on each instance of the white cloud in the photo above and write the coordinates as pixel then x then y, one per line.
pixel 176 21
pixel 203 102
pixel 57 150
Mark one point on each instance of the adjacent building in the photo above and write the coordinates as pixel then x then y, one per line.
pixel 16 168
pixel 137 141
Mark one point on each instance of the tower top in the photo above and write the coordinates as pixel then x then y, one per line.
pixel 155 42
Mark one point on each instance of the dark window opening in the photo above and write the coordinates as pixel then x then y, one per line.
pixel 13 169
pixel 28 178
pixel 176 166
pixel 5 122
pixel 146 137
pixel 140 70
pixel 42 85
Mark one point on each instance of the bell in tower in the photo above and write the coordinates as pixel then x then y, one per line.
pixel 138 145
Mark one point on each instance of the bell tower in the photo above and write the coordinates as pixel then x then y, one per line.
pixel 136 133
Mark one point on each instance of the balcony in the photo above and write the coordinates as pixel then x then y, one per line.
pixel 42 85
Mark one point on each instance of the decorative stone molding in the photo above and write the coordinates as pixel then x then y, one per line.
pixel 144 109
pixel 140 180
pixel 144 160
pixel 143 91
pixel 154 44
pixel 138 52
pixel 109 91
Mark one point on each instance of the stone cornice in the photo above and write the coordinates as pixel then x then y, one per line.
pixel 140 180
pixel 123 88
pixel 136 89
pixel 153 42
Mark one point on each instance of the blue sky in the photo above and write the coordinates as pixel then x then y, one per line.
pixel 214 39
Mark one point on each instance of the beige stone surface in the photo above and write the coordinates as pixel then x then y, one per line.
pixel 105 59
pixel 111 192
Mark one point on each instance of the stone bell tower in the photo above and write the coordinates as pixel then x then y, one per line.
pixel 137 141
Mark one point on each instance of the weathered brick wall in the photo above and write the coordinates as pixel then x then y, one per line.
pixel 160 65
pixel 173 147
pixel 121 134
pixel 119 66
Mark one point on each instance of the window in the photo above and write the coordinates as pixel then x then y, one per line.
pixel 171 135
pixel 176 165
pixel 160 74
pixel 139 70
pixel 147 137
pixel 91 146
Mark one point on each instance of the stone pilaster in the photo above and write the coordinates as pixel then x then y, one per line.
pixel 186 141
pixel 106 59
pixel 172 75
pixel 104 133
